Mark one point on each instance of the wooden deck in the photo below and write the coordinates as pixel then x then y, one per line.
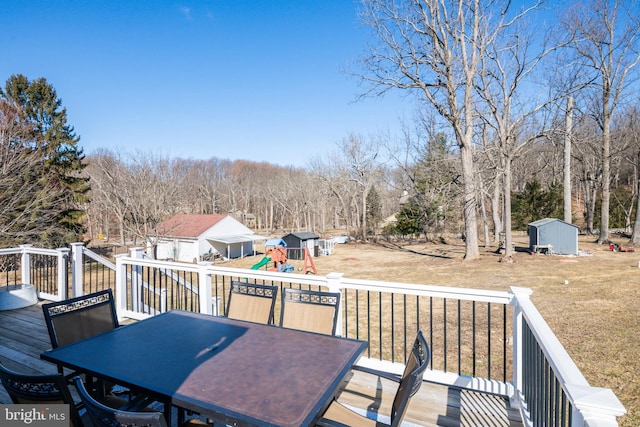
pixel 23 336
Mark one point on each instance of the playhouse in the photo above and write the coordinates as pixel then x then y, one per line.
pixel 297 242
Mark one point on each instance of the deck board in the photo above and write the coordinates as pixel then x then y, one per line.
pixel 433 405
pixel 23 337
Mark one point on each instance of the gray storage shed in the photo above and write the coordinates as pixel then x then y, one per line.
pixel 561 236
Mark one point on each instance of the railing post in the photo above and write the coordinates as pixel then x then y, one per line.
pixel 518 319
pixel 77 270
pixel 136 279
pixel 163 300
pixel 25 270
pixel 204 290
pixel 594 407
pixel 334 283
pixel 121 284
pixel 63 273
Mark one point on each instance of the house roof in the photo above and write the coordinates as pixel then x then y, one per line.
pixel 188 225
pixel 240 238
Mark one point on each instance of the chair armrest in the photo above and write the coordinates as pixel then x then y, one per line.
pixel 386 375
pixel 325 422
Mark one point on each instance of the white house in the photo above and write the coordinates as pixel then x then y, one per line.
pixel 192 237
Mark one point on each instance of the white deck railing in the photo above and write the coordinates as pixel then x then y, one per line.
pixel 543 381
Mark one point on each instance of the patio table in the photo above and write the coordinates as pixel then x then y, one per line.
pixel 236 372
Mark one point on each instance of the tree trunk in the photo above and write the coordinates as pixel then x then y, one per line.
pixel 483 210
pixel 364 214
pixel 606 180
pixel 635 237
pixel 470 222
pixel 121 230
pixel 590 194
pixel 495 210
pixel 567 161
pixel 506 182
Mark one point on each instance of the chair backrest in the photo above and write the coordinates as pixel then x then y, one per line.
pixel 313 311
pixel 78 318
pixel 251 302
pixel 104 416
pixel 411 378
pixel 38 389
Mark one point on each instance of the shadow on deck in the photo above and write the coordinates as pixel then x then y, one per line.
pixel 23 337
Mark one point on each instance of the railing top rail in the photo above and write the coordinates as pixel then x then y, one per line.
pixel 470 294
pixel 96 257
pixel 32 250
pixel 276 276
pixel 566 371
pixel 10 251
pixel 574 383
pixel 480 295
pixel 143 262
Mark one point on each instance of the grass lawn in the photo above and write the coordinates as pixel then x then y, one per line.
pixel 595 315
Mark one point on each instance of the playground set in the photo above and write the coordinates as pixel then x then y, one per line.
pixel 619 248
pixel 276 253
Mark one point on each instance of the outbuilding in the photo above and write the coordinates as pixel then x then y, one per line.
pixel 297 242
pixel 553 236
pixel 194 237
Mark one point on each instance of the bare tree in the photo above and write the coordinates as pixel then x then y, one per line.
pixel 362 159
pixel 505 84
pixel 108 175
pixel 333 176
pixel 604 37
pixel 630 129
pixel 434 48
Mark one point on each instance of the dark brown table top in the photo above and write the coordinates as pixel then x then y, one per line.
pixel 229 370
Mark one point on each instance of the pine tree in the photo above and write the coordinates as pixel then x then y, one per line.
pixel 53 215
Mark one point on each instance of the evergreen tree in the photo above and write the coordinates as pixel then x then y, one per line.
pixel 534 203
pixel 374 210
pixel 411 220
pixel 436 187
pixel 55 218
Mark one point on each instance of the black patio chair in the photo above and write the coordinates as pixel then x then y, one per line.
pixel 104 416
pixel 312 311
pixel 409 384
pixel 39 389
pixel 251 302
pixel 81 317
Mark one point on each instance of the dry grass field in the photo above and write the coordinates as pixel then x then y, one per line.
pixel 595 315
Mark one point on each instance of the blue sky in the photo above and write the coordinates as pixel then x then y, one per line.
pixel 234 79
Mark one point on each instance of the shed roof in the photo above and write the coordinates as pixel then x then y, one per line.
pixel 544 221
pixel 275 242
pixel 188 225
pixel 304 235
